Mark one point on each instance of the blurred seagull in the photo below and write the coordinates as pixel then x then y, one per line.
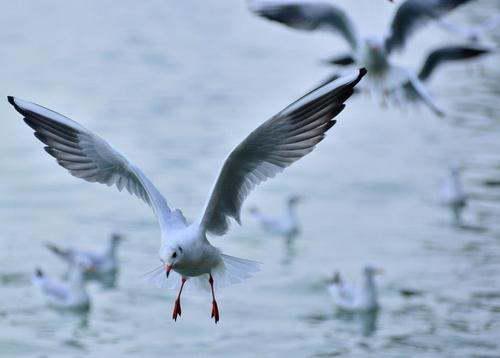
pixel 71 294
pixel 268 150
pixel 286 226
pixel 102 265
pixel 352 298
pixel 453 195
pixel 373 53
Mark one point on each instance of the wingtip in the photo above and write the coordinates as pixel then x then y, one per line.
pixel 362 72
pixel 12 101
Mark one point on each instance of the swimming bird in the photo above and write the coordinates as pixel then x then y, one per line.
pixel 371 52
pixel 452 194
pixel 356 298
pixel 71 294
pixel 185 249
pixel 103 266
pixel 286 225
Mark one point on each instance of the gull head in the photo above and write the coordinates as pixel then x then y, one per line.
pixel 171 256
pixel 376 45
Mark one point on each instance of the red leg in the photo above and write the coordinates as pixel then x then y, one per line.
pixel 215 309
pixel 177 304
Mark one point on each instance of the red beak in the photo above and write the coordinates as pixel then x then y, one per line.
pixel 168 268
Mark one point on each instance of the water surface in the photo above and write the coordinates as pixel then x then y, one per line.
pixel 175 85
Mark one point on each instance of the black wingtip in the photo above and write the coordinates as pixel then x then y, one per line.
pixel 12 101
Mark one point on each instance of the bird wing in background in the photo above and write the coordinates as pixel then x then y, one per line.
pixel 87 156
pixel 273 146
pixel 341 60
pixel 448 54
pixel 309 16
pixel 412 14
pixel 64 254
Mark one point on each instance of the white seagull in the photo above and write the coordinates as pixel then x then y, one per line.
pixel 286 226
pixel 184 249
pixel 103 265
pixel 373 53
pixel 452 194
pixel 352 298
pixel 71 294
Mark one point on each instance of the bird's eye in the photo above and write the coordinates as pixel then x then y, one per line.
pixel 174 255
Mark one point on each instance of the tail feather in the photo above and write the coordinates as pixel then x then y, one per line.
pixel 232 270
pixel 56 250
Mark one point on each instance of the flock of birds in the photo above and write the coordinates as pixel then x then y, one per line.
pixel 186 255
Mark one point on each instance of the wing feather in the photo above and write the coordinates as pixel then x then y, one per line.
pixel 412 14
pixel 87 156
pixel 309 16
pixel 273 146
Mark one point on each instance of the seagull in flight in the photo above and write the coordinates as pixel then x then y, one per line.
pixel 185 249
pixel 372 52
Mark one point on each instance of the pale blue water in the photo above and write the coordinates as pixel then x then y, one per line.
pixel 175 85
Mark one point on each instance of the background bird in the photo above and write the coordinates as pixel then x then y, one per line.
pixel 103 266
pixel 452 194
pixel 286 225
pixel 352 298
pixel 372 52
pixel 70 294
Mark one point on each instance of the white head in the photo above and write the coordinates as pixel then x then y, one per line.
pixel 171 255
pixel 376 45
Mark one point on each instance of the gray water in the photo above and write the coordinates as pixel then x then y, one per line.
pixel 175 85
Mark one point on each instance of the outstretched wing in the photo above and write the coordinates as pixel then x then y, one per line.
pixel 412 14
pixel 87 156
pixel 447 54
pixel 308 15
pixel 274 145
